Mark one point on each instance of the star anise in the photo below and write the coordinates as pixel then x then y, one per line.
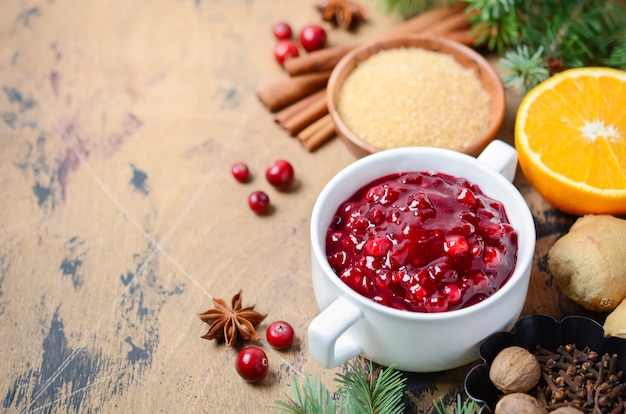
pixel 228 323
pixel 343 13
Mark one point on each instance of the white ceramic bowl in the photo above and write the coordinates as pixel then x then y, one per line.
pixel 350 324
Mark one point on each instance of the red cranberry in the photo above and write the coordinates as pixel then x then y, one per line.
pixel 455 245
pixel 357 223
pixel 419 292
pixel 467 197
pixel 259 202
pixel 252 364
pixel 437 302
pixel 281 30
pixel 240 171
pixel 284 50
pixel 312 37
pixel 280 174
pixel 337 259
pixel 481 282
pixel 491 257
pixel 280 334
pixel 454 292
pixel 377 246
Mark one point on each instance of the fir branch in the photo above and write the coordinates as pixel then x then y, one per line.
pixel 311 396
pixel 360 391
pixel 539 38
pixel 523 71
pixel 579 33
pixel 462 407
pixel 617 58
pixel 376 392
pixel 496 22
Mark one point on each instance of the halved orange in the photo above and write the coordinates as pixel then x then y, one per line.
pixel 570 133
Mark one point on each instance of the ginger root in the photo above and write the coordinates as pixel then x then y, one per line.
pixel 589 262
pixel 615 323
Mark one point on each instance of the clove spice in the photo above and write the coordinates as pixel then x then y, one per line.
pixel 580 378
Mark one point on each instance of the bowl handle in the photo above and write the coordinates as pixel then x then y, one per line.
pixel 501 157
pixel 329 342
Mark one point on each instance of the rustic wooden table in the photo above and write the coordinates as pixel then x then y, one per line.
pixel 120 219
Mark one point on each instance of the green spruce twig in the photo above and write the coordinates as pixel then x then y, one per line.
pixel 462 407
pixel 538 38
pixel 494 22
pixel 310 396
pixel 523 70
pixel 371 391
pixel 359 391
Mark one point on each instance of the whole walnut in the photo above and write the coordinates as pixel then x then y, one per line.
pixel 515 369
pixel 519 403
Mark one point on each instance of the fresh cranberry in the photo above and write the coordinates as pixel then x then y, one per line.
pixel 284 50
pixel 259 202
pixel 422 241
pixel 281 30
pixel 240 171
pixel 280 334
pixel 252 364
pixel 280 174
pixel 312 37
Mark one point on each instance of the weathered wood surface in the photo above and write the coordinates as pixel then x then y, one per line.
pixel 120 219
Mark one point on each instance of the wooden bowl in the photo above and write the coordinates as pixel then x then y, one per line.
pixel 464 55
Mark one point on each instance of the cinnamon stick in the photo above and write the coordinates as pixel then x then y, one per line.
pixel 284 114
pixel 320 131
pixel 453 22
pixel 311 113
pixel 465 37
pixel 326 59
pixel 287 91
pixel 425 20
pixel 319 60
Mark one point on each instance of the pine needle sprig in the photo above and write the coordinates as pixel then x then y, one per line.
pixel 535 36
pixel 359 391
pixel 378 391
pixel 494 22
pixel 310 396
pixel 579 33
pixel 564 34
pixel 617 58
pixel 462 407
pixel 523 70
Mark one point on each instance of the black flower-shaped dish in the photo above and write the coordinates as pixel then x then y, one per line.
pixel 529 332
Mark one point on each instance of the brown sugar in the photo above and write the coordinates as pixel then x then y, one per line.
pixel 414 97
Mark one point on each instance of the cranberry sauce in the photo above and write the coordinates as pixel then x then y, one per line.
pixel 422 241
